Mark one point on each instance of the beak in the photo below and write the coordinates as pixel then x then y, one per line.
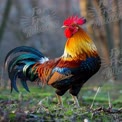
pixel 63 26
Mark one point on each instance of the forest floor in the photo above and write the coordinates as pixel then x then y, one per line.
pixel 102 104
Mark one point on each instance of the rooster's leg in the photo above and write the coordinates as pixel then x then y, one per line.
pixel 60 103
pixel 76 103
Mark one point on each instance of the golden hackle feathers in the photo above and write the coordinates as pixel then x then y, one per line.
pixel 79 46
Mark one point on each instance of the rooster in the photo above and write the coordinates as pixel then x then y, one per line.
pixel 79 62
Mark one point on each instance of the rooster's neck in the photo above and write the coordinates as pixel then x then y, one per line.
pixel 79 46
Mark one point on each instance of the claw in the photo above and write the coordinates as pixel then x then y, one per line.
pixel 60 106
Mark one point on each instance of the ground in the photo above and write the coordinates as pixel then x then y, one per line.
pixel 40 105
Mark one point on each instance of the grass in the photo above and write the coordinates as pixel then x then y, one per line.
pixel 24 106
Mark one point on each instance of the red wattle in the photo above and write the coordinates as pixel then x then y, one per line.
pixel 68 33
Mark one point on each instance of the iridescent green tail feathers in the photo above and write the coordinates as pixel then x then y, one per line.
pixel 19 63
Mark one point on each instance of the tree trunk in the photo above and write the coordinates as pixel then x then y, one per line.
pixel 5 18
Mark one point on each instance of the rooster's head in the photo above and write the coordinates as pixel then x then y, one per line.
pixel 71 25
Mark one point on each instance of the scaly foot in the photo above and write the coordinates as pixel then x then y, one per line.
pixel 76 103
pixel 60 103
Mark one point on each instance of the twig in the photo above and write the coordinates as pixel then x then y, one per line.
pixel 107 110
pixel 109 101
pixel 95 97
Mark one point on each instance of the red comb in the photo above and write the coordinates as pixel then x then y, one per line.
pixel 74 20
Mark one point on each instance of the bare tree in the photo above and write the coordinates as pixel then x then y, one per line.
pixel 5 18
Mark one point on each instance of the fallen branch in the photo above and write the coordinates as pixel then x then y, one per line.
pixel 106 110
